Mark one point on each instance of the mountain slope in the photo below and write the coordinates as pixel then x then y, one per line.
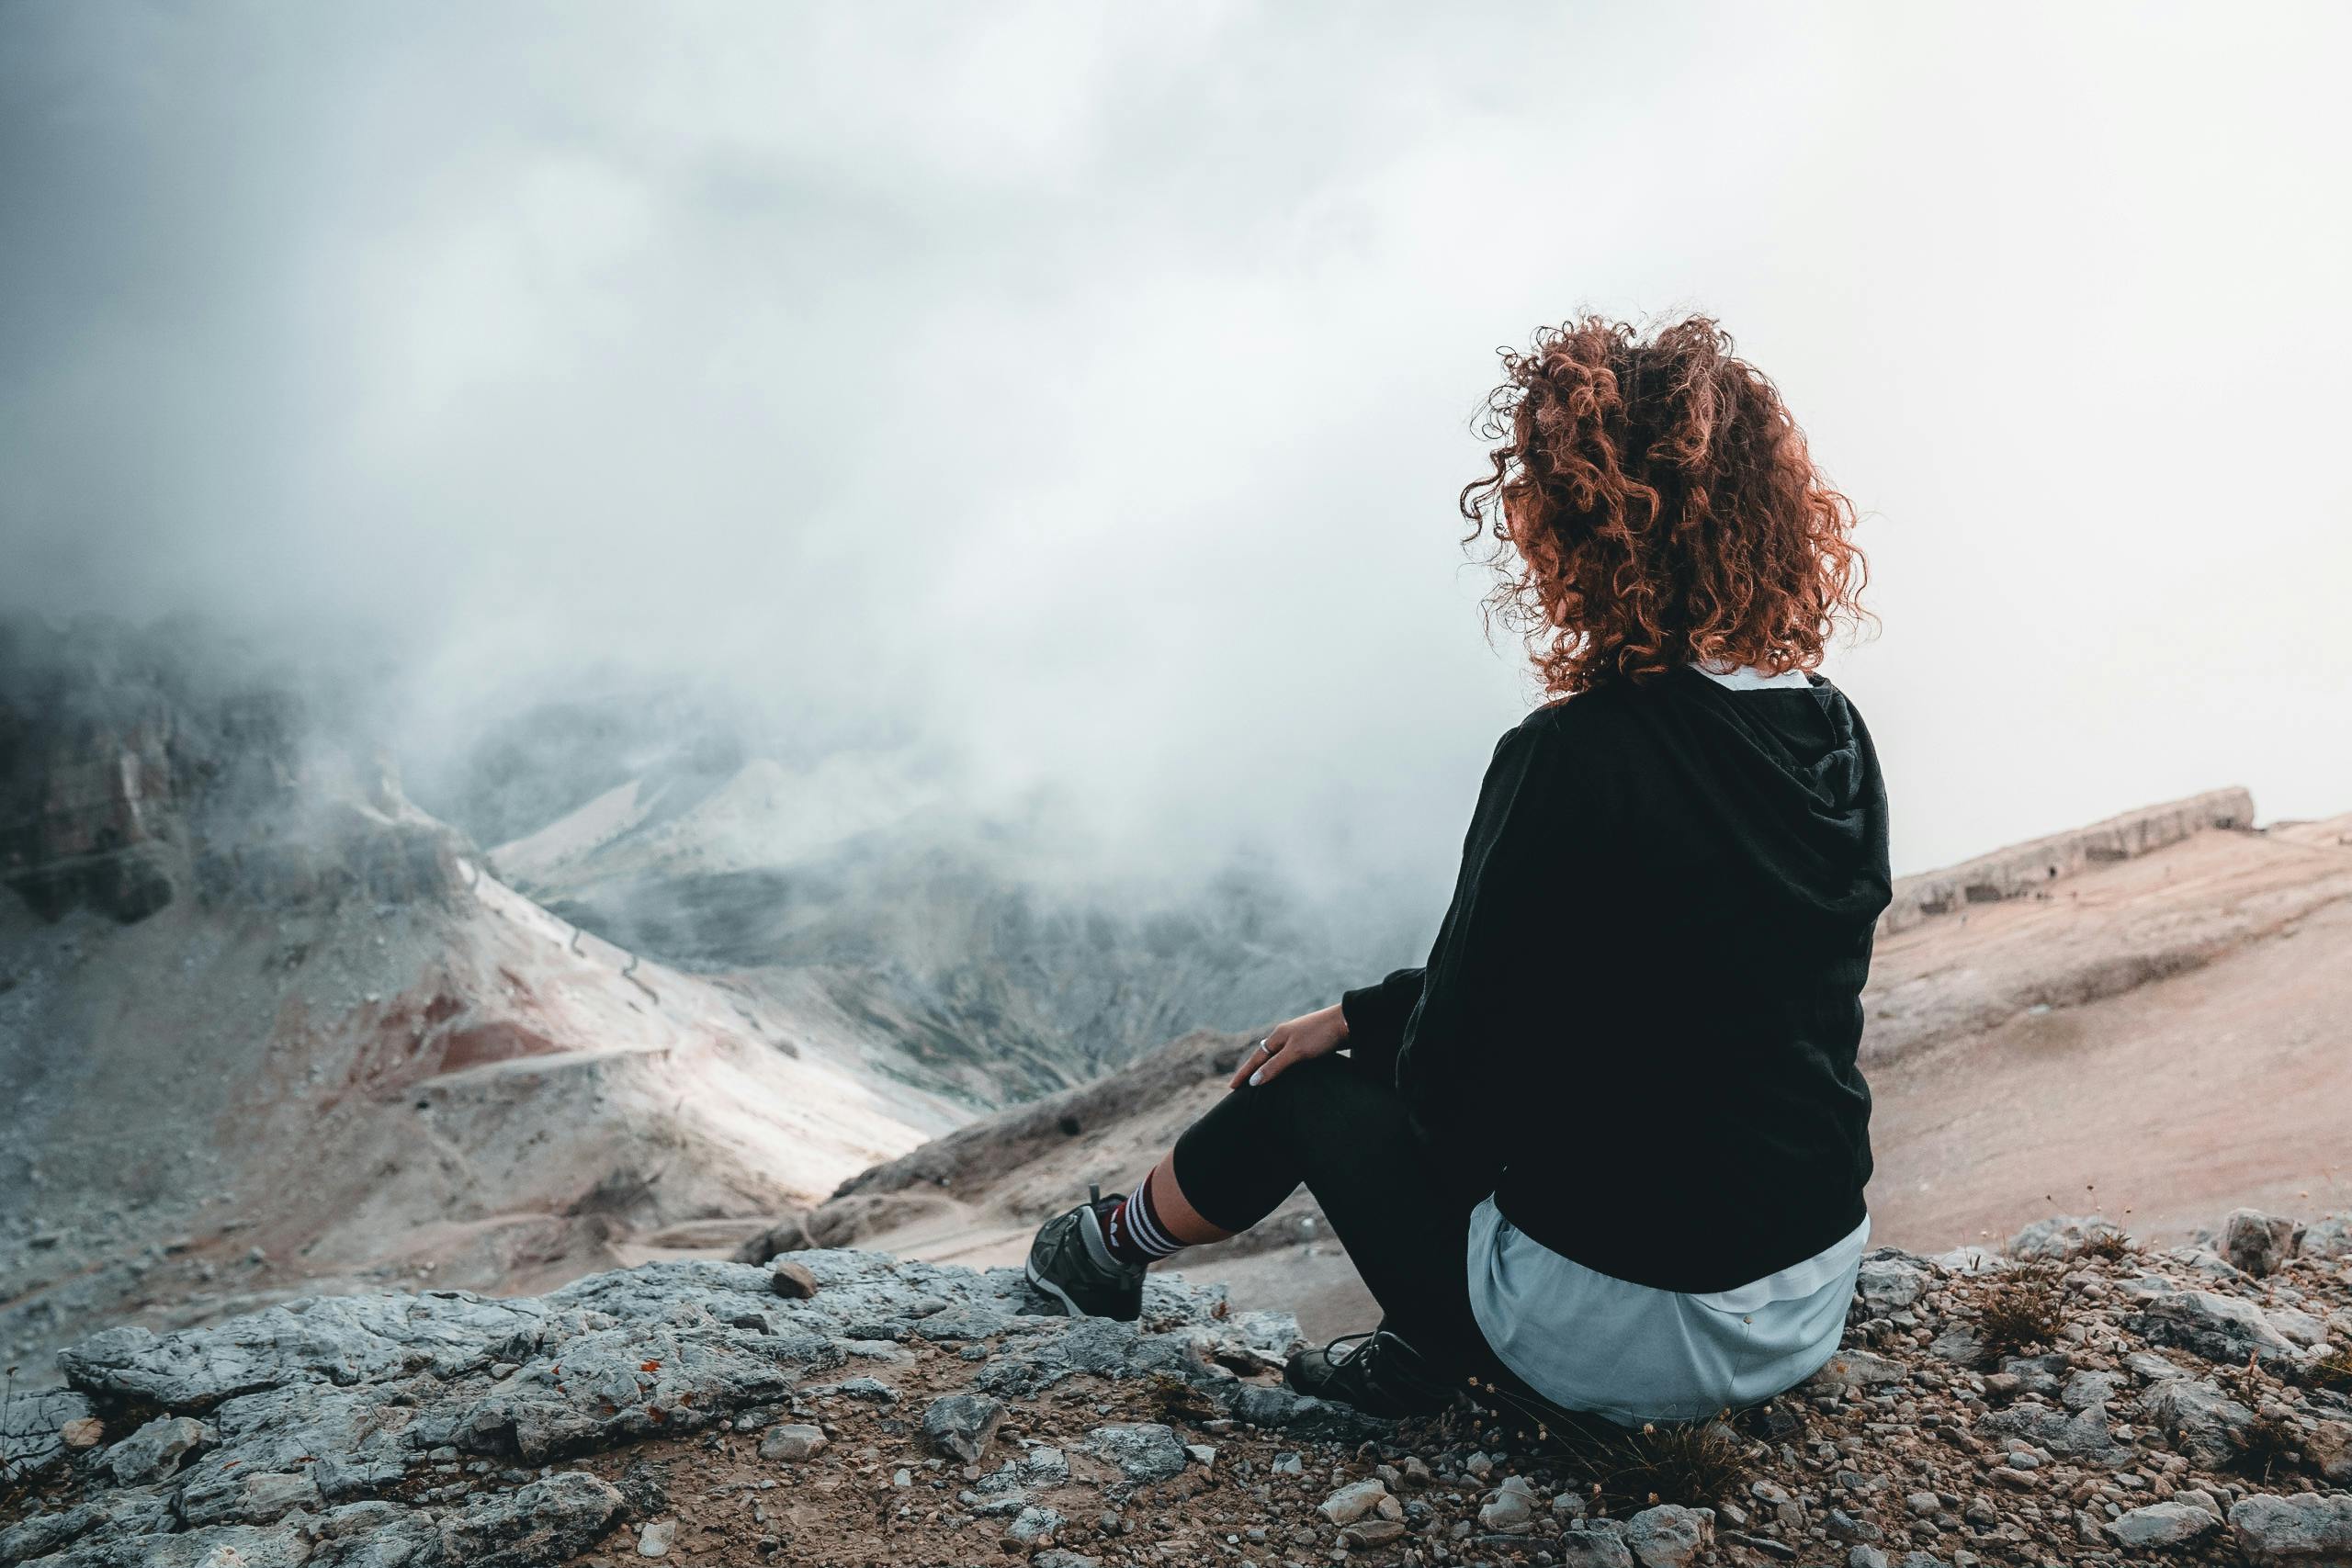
pixel 2159 1034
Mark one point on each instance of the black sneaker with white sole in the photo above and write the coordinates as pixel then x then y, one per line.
pixel 1071 1265
pixel 1376 1372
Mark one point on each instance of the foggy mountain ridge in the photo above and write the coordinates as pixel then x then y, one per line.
pixel 233 949
pixel 981 941
pixel 989 956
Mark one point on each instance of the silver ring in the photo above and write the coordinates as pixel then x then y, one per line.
pixel 1262 1045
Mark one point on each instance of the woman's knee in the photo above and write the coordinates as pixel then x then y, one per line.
pixel 1315 1080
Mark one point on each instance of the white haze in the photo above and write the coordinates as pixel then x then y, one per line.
pixel 1080 392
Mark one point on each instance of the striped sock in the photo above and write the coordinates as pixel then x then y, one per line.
pixel 1133 1232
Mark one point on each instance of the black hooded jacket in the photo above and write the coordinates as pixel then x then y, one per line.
pixel 1641 1014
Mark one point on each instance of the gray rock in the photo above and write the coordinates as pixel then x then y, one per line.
pixel 1037 1469
pixel 320 1407
pixel 966 1320
pixel 374 1534
pixel 1855 1369
pixel 655 1538
pixel 1970 1260
pixel 229 1545
pixel 2063 1236
pixel 1668 1536
pixel 2329 1238
pixel 1357 1498
pixel 543 1522
pixel 1890 1281
pixel 157 1448
pixel 596 1390
pixel 1865 1557
pixel 109 1515
pixel 1054 1557
pixel 1035 1524
pixel 2086 1389
pixel 791 1442
pixel 961 1425
pixel 2205 1262
pixel 2161 1525
pixel 2221 1328
pixel 2327 1448
pixel 1248 1340
pixel 2083 1435
pixel 1843 1526
pixel 341 1339
pixel 349 1441
pixel 2198 1416
pixel 2150 1367
pixel 1511 1512
pixel 2037 1375
pixel 1143 1451
pixel 1321 1420
pixel 1592 1549
pixel 251 1497
pixel 32 1429
pixel 2301 1328
pixel 2259 1242
pixel 2313 1528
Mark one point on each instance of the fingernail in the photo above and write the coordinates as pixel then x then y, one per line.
pixel 1257 1077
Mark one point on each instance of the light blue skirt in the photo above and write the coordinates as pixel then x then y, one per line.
pixel 1588 1341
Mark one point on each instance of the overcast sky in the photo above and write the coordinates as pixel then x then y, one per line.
pixel 1082 389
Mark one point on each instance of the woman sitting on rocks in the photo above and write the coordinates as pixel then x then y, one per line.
pixel 1605 1151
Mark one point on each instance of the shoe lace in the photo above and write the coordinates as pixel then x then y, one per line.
pixel 1359 1347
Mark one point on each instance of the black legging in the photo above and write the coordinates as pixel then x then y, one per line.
pixel 1340 1129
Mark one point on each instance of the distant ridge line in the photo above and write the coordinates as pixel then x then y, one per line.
pixel 2014 872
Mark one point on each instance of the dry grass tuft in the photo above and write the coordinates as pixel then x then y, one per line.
pixel 2108 1246
pixel 2021 1307
pixel 1692 1463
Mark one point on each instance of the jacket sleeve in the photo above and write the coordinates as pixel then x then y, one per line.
pixel 1484 999
pixel 1376 1015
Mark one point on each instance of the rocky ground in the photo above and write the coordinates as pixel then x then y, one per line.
pixel 2075 1400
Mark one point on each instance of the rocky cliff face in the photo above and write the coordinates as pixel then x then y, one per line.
pixel 137 768
pixel 2024 870
pixel 265 1026
pixel 2077 1400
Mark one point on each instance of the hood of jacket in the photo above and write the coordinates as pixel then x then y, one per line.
pixel 1792 778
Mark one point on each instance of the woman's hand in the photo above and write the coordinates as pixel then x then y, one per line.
pixel 1317 1033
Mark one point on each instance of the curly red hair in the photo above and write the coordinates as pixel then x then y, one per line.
pixel 1652 503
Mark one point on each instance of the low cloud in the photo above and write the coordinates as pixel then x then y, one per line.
pixel 1073 399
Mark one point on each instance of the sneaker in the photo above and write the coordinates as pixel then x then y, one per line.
pixel 1376 1372
pixel 1070 1263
